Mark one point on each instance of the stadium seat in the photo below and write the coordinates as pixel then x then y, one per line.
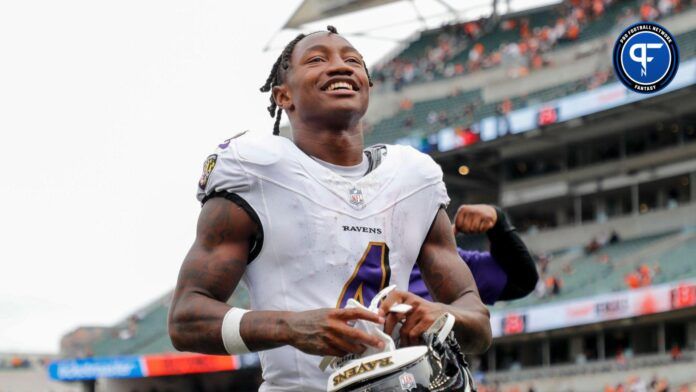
pixel 673 251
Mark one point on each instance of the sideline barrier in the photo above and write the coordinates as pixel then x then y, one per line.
pixel 150 365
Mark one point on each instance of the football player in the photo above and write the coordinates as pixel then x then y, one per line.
pixel 310 223
pixel 505 273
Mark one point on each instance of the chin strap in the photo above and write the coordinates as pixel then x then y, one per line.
pixel 442 327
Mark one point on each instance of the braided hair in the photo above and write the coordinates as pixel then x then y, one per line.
pixel 277 75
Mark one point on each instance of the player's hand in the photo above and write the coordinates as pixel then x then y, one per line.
pixel 327 332
pixel 422 315
pixel 474 219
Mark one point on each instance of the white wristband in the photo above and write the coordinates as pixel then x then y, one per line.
pixel 231 337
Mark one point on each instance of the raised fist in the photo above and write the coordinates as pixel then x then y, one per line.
pixel 474 219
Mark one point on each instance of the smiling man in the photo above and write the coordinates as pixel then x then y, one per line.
pixel 310 223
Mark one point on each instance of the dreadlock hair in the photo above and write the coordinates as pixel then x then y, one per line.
pixel 277 75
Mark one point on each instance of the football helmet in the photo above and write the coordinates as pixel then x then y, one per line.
pixel 436 366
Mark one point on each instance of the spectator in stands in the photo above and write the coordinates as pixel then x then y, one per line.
pixel 665 7
pixel 19 363
pixel 642 276
pixel 675 352
pixel 131 328
pixel 506 106
pixel 553 285
pixel 475 56
pixel 408 122
pixel 540 288
pixel 632 280
pixel 543 262
pixel 636 384
pixel 443 118
pixel 597 8
pixel 537 61
pixel 502 111
pixel 614 237
pixel 572 31
pixel 662 385
pixel 645 274
pixel 620 359
pixel 648 12
pixel 432 117
pixel 593 246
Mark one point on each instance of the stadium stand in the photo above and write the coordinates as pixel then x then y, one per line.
pixel 458 106
pixel 677 263
pixel 145 332
pixel 448 51
pixel 463 108
pixel 398 126
pixel 604 269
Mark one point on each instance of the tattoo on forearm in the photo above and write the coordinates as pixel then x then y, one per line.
pixel 210 273
pixel 450 282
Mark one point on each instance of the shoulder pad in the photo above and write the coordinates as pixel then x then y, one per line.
pixel 257 147
pixel 419 162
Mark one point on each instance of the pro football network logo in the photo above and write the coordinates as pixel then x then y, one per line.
pixel 646 57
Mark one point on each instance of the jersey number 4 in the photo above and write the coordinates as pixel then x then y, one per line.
pixel 370 276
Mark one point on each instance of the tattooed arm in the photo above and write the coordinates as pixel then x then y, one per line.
pixel 452 285
pixel 210 273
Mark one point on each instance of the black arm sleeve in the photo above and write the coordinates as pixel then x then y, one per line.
pixel 510 252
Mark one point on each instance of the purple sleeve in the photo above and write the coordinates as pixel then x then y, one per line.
pixel 489 277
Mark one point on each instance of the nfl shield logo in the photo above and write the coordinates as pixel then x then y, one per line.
pixel 356 197
pixel 407 381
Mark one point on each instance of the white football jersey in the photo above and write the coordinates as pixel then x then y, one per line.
pixel 325 238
